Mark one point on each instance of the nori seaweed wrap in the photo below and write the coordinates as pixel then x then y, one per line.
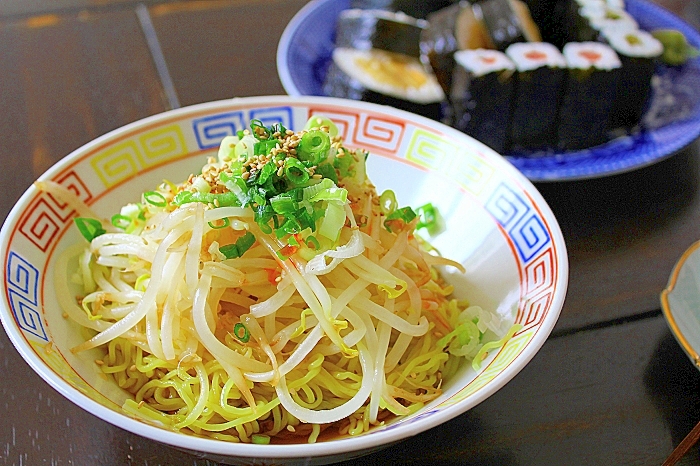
pixel 385 78
pixel 540 77
pixel 415 8
pixel 507 22
pixel 379 29
pixel 482 90
pixel 450 29
pixel 638 51
pixel 589 92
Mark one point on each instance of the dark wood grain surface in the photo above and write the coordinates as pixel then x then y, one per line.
pixel 610 386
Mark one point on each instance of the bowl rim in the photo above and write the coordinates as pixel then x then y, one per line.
pixel 374 440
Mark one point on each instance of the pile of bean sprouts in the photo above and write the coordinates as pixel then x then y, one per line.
pixel 272 344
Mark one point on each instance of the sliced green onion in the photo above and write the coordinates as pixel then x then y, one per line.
pixel 265 146
pixel 344 164
pixel 429 218
pixel 260 439
pixel 254 124
pixel 406 214
pixel 312 242
pixel 219 200
pixel 327 171
pixel 237 249
pixel 295 172
pixel 90 228
pixel 319 121
pixel 313 146
pixel 387 202
pixel 241 332
pixel 333 221
pixel 155 198
pixel 227 222
pixel 121 221
pixel 283 204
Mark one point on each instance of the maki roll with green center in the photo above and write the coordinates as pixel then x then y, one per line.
pixel 541 70
pixel 589 92
pixel 482 90
pixel 638 51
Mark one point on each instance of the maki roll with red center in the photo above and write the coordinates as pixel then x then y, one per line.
pixel 589 92
pixel 482 90
pixel 638 51
pixel 541 70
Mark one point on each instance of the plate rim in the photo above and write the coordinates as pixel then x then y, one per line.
pixel 543 175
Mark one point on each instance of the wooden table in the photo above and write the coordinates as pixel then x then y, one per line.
pixel 610 386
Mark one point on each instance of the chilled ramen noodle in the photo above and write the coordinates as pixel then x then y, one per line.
pixel 274 296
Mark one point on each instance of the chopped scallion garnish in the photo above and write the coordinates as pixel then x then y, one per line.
pixel 237 249
pixel 241 332
pixel 90 228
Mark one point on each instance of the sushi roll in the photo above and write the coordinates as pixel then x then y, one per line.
pixel 609 18
pixel 416 8
pixel 387 78
pixel 551 19
pixel 379 29
pixel 589 92
pixel 638 51
pixel 507 22
pixel 450 29
pixel 482 90
pixel 541 70
pixel 580 19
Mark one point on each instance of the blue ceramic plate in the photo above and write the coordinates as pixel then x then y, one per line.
pixel 672 122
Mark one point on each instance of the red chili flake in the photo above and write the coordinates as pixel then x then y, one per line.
pixel 273 275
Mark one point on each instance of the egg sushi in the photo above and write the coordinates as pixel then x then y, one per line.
pixel 387 78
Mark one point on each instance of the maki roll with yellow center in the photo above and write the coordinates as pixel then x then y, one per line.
pixel 385 78
pixel 377 58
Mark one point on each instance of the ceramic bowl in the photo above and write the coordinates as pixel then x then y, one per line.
pixel 680 302
pixel 497 225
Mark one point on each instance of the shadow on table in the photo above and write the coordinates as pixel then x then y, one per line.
pixel 673 385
